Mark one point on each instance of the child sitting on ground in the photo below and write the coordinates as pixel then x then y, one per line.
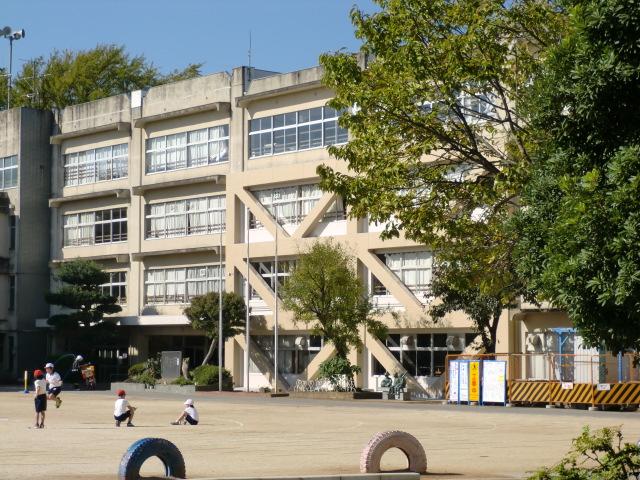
pixel 40 397
pixel 189 415
pixel 123 411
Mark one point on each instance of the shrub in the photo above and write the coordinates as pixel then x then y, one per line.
pixel 136 369
pixel 336 369
pixel 597 455
pixel 181 381
pixel 145 378
pixel 208 375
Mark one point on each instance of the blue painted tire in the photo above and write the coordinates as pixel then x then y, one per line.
pixel 142 450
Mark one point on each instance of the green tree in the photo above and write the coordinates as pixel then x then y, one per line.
pixel 438 149
pixel 325 293
pixel 70 77
pixel 580 230
pixel 598 455
pixel 203 313
pixel 81 296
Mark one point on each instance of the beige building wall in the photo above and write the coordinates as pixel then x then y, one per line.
pixel 235 99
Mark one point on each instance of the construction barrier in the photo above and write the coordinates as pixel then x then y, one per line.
pixel 553 379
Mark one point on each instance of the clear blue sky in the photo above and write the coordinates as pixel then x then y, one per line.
pixel 287 34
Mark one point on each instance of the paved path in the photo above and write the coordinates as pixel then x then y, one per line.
pixel 251 435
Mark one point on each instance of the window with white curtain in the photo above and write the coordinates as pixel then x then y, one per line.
pixel 116 286
pixel 205 146
pixel 301 130
pixel 289 204
pixel 412 268
pixel 181 218
pixel 96 165
pixel 9 172
pixel 93 228
pixel 181 285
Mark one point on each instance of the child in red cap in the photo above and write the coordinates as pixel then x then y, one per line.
pixel 123 411
pixel 40 397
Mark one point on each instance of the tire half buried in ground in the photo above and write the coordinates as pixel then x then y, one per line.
pixel 146 448
pixel 383 441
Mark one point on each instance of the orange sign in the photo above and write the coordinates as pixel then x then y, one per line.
pixel 474 381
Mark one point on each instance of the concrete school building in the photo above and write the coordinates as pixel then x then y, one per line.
pixel 160 186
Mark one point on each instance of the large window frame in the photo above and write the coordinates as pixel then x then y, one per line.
pixel 295 352
pixel 290 205
pixel 95 227
pixel 190 149
pixel 186 217
pixel 266 270
pixel 295 131
pixel 96 165
pixel 407 266
pixel 116 286
pixel 179 285
pixel 9 175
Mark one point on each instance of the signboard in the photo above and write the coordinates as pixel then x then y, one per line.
pixel 603 387
pixel 454 366
pixel 566 386
pixel 474 381
pixel 494 386
pixel 463 384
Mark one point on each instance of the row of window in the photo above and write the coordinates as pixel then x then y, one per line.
pixel 205 146
pixel 9 172
pixel 290 132
pixel 96 165
pixel 180 218
pixel 412 268
pixel 181 285
pixel 93 228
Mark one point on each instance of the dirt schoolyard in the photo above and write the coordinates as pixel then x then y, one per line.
pixel 252 435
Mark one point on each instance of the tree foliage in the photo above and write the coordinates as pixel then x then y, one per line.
pixel 70 77
pixel 437 146
pixel 203 314
pixel 81 296
pixel 580 228
pixel 325 293
pixel 598 455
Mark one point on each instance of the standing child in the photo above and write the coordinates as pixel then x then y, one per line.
pixel 123 411
pixel 40 397
pixel 54 384
pixel 189 415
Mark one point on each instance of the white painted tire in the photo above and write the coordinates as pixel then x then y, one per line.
pixel 383 441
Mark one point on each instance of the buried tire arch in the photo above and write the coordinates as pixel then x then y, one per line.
pixel 381 442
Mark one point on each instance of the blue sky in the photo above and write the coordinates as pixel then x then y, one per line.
pixel 287 34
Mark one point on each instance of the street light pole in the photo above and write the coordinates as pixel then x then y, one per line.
pixel 12 35
pixel 247 334
pixel 275 323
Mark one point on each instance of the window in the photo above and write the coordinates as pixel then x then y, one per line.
pixel 96 165
pixel 267 272
pixel 9 172
pixel 295 352
pixel 301 130
pixel 116 286
pixel 289 204
pixel 205 146
pixel 181 285
pixel 194 216
pixel 12 232
pixel 412 268
pixel 93 228
pixel 422 354
pixel 12 293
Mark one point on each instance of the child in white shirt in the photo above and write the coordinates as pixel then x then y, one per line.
pixel 189 415
pixel 40 397
pixel 123 411
pixel 54 383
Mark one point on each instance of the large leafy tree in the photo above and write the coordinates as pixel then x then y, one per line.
pixel 581 225
pixel 203 313
pixel 81 296
pixel 325 293
pixel 69 77
pixel 438 148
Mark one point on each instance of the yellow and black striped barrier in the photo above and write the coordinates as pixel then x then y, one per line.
pixel 624 393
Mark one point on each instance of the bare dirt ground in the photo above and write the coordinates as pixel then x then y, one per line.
pixel 251 435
